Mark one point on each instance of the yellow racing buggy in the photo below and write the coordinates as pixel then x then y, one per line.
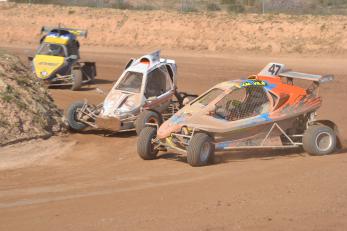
pixel 57 60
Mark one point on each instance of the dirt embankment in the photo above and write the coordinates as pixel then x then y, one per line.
pixel 26 109
pixel 21 23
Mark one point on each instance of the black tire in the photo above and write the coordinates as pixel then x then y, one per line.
pixel 179 98
pixel 71 117
pixel 196 155
pixel 319 140
pixel 147 116
pixel 77 79
pixel 183 98
pixel 89 72
pixel 188 99
pixel 145 148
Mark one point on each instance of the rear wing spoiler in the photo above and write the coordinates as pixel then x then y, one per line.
pixel 76 32
pixel 315 78
pixel 280 70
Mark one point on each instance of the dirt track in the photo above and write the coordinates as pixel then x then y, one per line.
pixel 95 181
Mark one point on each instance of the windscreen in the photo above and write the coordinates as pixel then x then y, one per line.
pixel 131 82
pixel 52 50
pixel 209 96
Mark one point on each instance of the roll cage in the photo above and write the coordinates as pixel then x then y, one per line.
pixel 46 49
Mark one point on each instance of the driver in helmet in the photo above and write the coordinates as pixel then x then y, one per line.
pixel 56 50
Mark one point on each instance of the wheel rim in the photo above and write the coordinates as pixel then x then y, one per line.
pixel 205 151
pixel 77 114
pixel 324 141
pixel 153 120
pixel 152 145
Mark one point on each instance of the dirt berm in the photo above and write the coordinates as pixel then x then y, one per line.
pixel 26 109
pixel 212 31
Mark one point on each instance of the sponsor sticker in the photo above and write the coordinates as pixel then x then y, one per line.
pixel 253 83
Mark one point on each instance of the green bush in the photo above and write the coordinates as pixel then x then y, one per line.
pixel 122 5
pixel 187 6
pixel 145 6
pixel 231 2
pixel 236 8
pixel 188 9
pixel 213 7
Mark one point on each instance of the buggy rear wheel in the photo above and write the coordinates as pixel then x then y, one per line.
pixel 184 98
pixel 77 79
pixel 188 99
pixel 319 140
pixel 200 150
pixel 89 72
pixel 72 116
pixel 147 116
pixel 145 147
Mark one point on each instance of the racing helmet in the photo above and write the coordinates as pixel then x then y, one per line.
pixel 55 50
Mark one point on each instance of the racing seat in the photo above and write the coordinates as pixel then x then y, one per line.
pixel 255 103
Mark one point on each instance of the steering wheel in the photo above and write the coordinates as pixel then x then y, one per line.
pixel 234 111
pixel 236 103
pixel 230 109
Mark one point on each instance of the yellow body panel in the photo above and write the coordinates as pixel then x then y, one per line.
pixel 76 32
pixel 45 65
pixel 56 40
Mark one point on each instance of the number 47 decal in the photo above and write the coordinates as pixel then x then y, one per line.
pixel 274 69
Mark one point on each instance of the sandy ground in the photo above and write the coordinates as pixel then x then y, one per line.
pixel 96 181
pixel 274 34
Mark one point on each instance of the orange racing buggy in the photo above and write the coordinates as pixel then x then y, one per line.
pixel 266 110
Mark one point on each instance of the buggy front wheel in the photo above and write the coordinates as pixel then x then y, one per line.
pixel 72 116
pixel 188 99
pixel 77 78
pixel 200 150
pixel 145 146
pixel 319 140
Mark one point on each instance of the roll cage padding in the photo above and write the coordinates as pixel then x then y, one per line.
pixel 171 73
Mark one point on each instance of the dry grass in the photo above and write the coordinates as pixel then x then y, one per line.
pixel 213 31
pixel 233 6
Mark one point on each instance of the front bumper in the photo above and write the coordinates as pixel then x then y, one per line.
pixel 176 141
pixel 59 80
pixel 113 124
pixel 92 116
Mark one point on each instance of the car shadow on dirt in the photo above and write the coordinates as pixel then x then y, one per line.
pixel 103 81
pixel 173 156
pixel 87 86
pixel 236 156
pixel 108 133
pixel 342 150
pixel 266 154
pixel 83 88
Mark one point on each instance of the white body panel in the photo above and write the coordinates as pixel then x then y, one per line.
pixel 273 69
pixel 122 104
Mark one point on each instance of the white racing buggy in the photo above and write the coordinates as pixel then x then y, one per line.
pixel 146 92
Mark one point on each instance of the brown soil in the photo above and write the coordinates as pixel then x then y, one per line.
pixel 96 181
pixel 21 24
pixel 27 111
